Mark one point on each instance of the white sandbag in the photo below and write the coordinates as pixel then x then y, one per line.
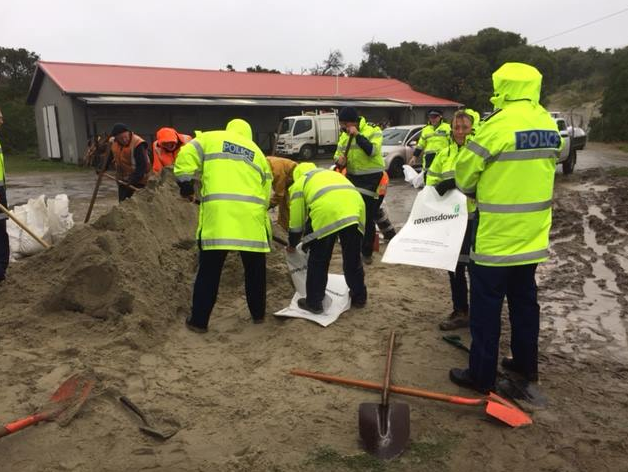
pixel 336 299
pixel 49 220
pixel 413 177
pixel 433 234
pixel 60 219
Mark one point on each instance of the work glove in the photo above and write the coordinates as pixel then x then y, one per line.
pixel 186 189
pixel 445 186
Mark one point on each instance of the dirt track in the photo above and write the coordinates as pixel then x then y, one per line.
pixel 96 303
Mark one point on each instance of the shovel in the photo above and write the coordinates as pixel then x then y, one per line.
pixel 147 428
pixel 512 387
pixel 62 406
pixel 496 406
pixel 385 427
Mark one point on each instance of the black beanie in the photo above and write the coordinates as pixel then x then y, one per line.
pixel 119 128
pixel 349 115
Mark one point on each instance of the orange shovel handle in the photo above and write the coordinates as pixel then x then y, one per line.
pixel 413 392
pixel 23 423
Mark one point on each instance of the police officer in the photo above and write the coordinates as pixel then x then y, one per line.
pixel 325 205
pixel 235 192
pixel 4 237
pixel 434 137
pixel 509 167
pixel 441 175
pixel 365 166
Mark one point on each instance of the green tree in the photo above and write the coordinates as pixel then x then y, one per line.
pixel 613 125
pixel 16 71
pixel 259 68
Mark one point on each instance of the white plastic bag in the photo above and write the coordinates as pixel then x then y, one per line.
pixel 336 299
pixel 49 220
pixel 433 234
pixel 59 217
pixel 413 177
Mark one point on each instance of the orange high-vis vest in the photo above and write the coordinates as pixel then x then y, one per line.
pixel 161 157
pixel 382 188
pixel 124 161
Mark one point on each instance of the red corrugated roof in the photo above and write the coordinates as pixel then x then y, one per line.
pixel 74 78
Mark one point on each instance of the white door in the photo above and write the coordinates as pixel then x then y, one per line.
pixel 51 132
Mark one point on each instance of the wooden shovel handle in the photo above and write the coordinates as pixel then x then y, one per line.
pixel 386 389
pixel 23 226
pixel 413 392
pixel 121 182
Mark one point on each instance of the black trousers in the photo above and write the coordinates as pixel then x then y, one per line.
pixel 489 286
pixel 4 236
pixel 368 182
pixel 125 192
pixel 458 279
pixel 208 279
pixel 318 265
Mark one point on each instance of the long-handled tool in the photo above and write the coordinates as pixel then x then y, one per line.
pixel 121 182
pixel 101 174
pixel 147 428
pixel 23 226
pixel 385 427
pixel 496 406
pixel 340 168
pixel 514 388
pixel 62 406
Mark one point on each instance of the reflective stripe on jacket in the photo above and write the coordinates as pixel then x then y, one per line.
pixel 509 166
pixel 328 199
pixel 161 157
pixel 235 190
pixel 125 161
pixel 358 162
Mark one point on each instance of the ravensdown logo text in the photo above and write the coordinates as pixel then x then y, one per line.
pixel 440 217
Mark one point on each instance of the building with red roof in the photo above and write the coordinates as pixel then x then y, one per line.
pixel 75 102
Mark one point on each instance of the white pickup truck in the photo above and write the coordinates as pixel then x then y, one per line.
pixel 568 155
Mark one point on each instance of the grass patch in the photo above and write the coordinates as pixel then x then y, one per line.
pixel 618 171
pixel 623 147
pixel 326 458
pixel 29 162
pixel 421 455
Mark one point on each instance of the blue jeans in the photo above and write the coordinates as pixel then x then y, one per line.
pixel 489 286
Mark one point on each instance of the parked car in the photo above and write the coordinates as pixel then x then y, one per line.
pixel 397 147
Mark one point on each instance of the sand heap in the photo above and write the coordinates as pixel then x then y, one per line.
pixel 136 261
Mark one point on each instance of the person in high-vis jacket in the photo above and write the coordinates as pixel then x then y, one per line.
pixel 382 221
pixel 325 205
pixel 282 170
pixel 434 137
pixel 442 176
pixel 235 188
pixel 129 153
pixel 4 236
pixel 509 168
pixel 168 142
pixel 364 165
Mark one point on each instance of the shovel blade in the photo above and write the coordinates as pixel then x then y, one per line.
pixel 384 430
pixel 503 410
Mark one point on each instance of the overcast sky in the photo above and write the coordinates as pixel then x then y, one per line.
pixel 285 35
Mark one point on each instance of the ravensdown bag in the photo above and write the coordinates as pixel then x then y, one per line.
pixel 336 299
pixel 433 234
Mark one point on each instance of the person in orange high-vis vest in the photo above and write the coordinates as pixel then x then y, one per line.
pixel 166 146
pixel 129 153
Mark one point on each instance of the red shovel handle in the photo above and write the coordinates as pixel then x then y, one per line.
pixel 413 392
pixel 23 423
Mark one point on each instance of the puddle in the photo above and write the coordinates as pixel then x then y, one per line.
pixel 595 317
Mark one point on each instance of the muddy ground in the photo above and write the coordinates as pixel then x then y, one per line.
pixel 110 300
